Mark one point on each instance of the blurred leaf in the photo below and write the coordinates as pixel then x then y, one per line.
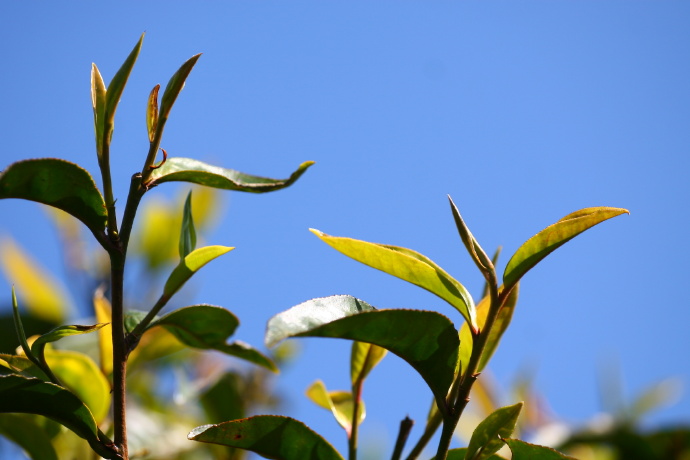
pixel 102 309
pixel 79 373
pixel 57 183
pixel 41 294
pixel 158 247
pixel 340 404
pixel 190 170
pixel 208 327
pixel 152 113
pixel 98 95
pixel 32 396
pixel 174 87
pixel 407 265
pixel 117 86
pixel 38 347
pixel 459 454
pixel 187 232
pixel 487 437
pixel 20 364
pixel 363 359
pixel 478 255
pixel 426 340
pixel 133 318
pixel 525 451
pixel 224 400
pixel 270 436
pixel 156 344
pixel 658 395
pixel 23 431
pixel 190 265
pixel 552 237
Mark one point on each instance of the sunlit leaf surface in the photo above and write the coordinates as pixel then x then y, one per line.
pixel 487 437
pixel 190 265
pixel 524 451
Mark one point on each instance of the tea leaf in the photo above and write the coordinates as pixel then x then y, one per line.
pixel 187 232
pixel 57 183
pixel 117 86
pixel 478 255
pixel 426 340
pixel 552 237
pixel 173 89
pixel 190 265
pixel 23 431
pixel 190 170
pixel 505 315
pixel 459 454
pixel 152 113
pixel 98 94
pixel 487 437
pixel 363 359
pixel 270 436
pixel 409 266
pixel 525 451
pixel 340 403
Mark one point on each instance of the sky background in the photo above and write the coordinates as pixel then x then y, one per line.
pixel 522 111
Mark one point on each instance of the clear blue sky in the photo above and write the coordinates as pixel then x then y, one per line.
pixel 521 111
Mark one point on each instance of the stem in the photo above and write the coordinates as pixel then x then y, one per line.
pixel 119 354
pixel 356 407
pixel 431 426
pixel 104 164
pixel 403 433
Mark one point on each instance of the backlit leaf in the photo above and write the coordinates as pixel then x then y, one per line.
pixel 363 359
pixel 552 237
pixel 60 332
pixel 98 93
pixel 57 183
pixel 525 451
pixel 23 431
pixel 190 265
pixel 152 113
pixel 407 265
pixel 487 438
pixel 32 396
pixel 190 170
pixel 426 340
pixel 270 436
pixel 117 86
pixel 340 404
pixel 187 232
pixel 505 315
pixel 102 309
pixel 174 87
pixel 208 327
pixel 478 255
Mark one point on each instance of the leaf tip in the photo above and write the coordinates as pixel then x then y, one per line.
pixel 197 431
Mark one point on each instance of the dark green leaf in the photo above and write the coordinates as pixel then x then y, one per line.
pixel 23 431
pixel 270 436
pixel 190 265
pixel 133 318
pixel 480 258
pixel 197 172
pixel 552 237
pixel 525 451
pixel 173 88
pixel 98 93
pixel 224 400
pixel 117 86
pixel 407 265
pixel 57 183
pixel 426 340
pixel 32 396
pixel 208 327
pixel 187 233
pixel 459 454
pixel 487 438
pixel 152 113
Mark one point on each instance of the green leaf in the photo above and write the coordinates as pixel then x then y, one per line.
pixel 270 436
pixel 525 451
pixel 133 318
pixel 363 359
pixel 38 347
pixel 208 327
pixel 187 233
pixel 197 172
pixel 426 340
pixel 407 265
pixel 117 86
pixel 552 237
pixel 505 315
pixel 488 437
pixel 57 183
pixel 23 431
pixel 98 94
pixel 173 88
pixel 340 404
pixel 190 265
pixel 225 399
pixel 480 258
pixel 459 454
pixel 32 396
pixel 152 113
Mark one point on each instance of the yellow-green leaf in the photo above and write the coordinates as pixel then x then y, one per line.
pixel 152 113
pixel 101 306
pixel 190 265
pixel 407 265
pixel 363 359
pixel 340 403
pixel 98 94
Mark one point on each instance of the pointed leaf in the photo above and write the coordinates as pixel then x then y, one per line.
pixel 208 327
pixel 20 364
pixel 98 95
pixel 487 437
pixel 480 258
pixel 57 183
pixel 426 340
pixel 270 436
pixel 552 237
pixel 58 333
pixel 363 359
pixel 407 265
pixel 505 315
pixel 32 396
pixel 190 265
pixel 173 88
pixel 338 402
pixel 187 233
pixel 525 451
pixel 102 309
pixel 152 113
pixel 459 454
pixel 23 431
pixel 197 172
pixel 117 86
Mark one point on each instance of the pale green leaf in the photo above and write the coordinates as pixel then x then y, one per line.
pixel 190 265
pixel 487 438
pixel 525 451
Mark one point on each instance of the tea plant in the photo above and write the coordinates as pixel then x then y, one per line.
pixel 450 361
